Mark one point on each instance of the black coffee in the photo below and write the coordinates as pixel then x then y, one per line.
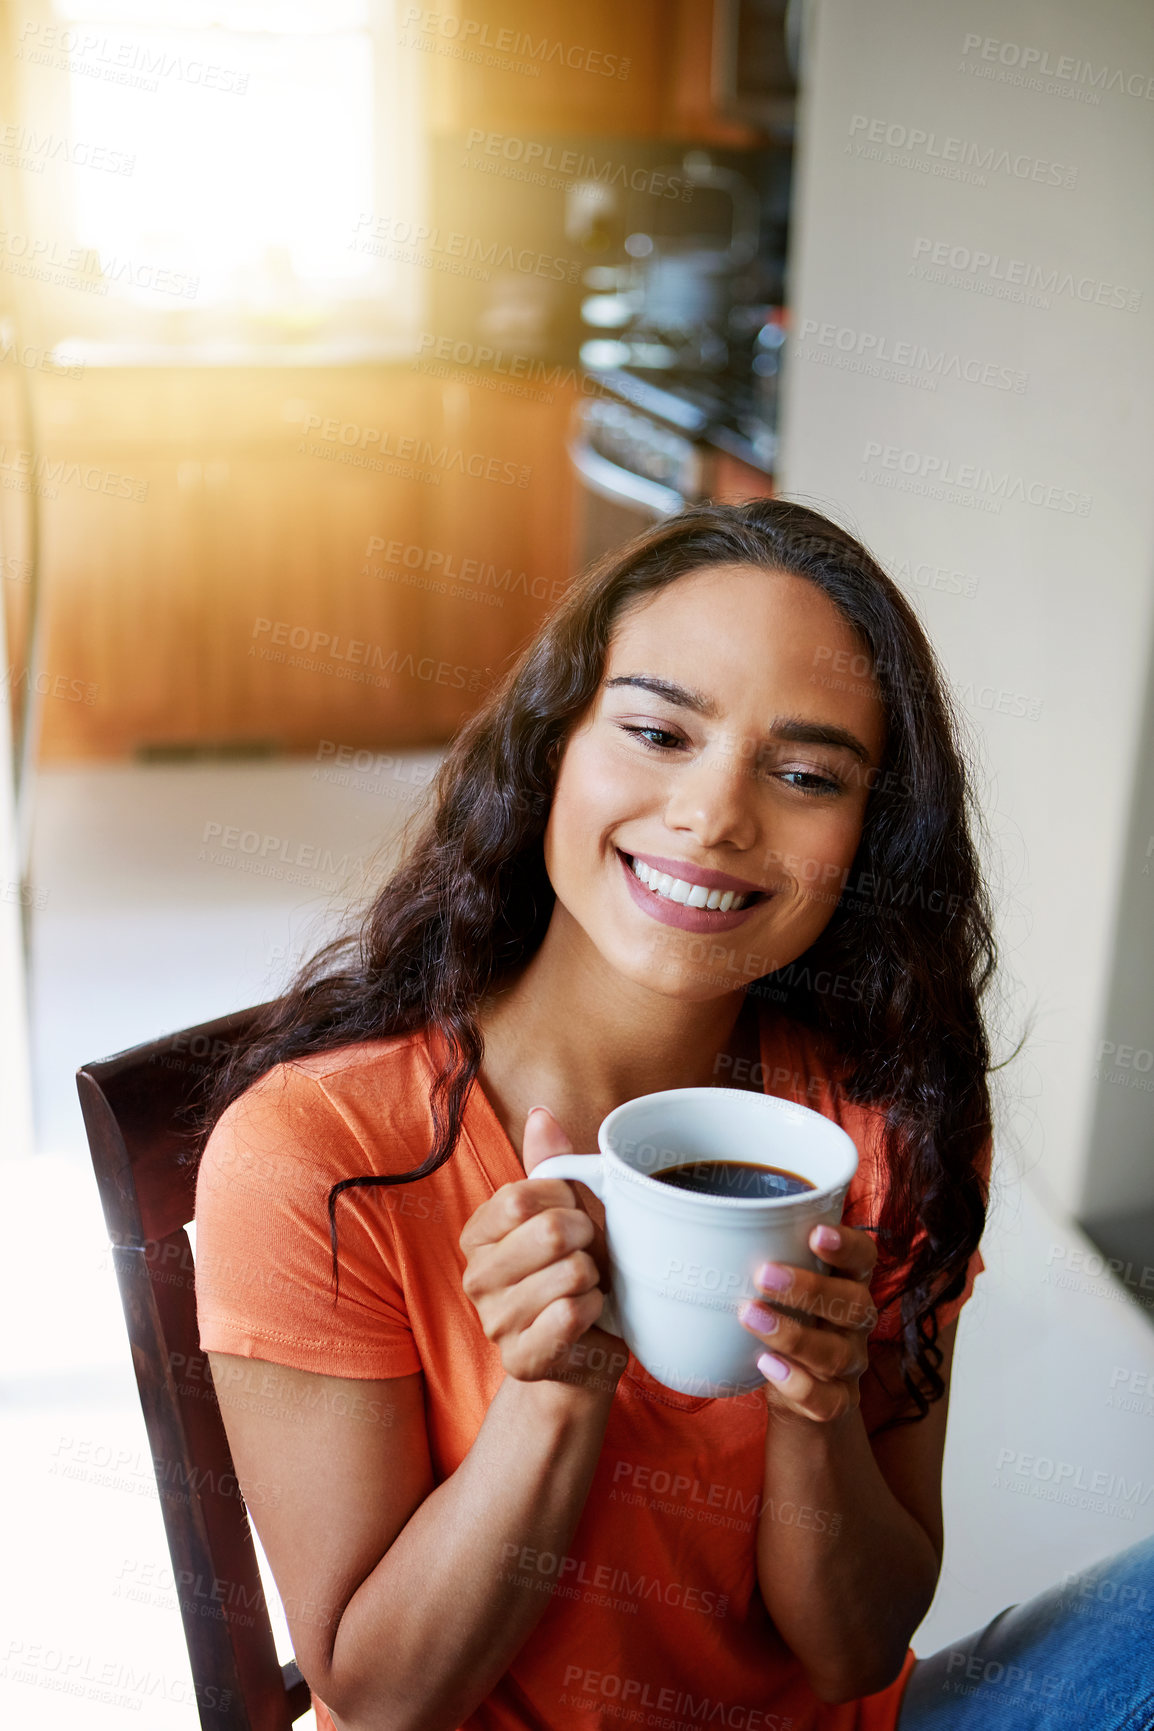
pixel 748 1178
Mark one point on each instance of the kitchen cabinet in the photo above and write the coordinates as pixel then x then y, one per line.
pixel 268 557
pixel 687 104
pixel 626 68
pixel 506 535
pixel 536 66
pixel 733 481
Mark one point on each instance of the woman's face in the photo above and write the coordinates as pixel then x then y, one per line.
pixel 721 744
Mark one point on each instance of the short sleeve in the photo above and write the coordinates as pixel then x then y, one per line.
pixel 888 1300
pixel 889 1324
pixel 264 1275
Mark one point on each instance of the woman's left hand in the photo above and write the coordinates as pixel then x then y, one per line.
pixel 816 1344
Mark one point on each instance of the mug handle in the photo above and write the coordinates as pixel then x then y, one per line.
pixel 587 1169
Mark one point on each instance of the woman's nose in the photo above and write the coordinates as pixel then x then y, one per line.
pixel 715 798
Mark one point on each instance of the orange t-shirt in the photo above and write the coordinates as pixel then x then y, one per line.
pixel 659 1621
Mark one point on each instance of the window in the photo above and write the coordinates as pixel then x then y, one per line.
pixel 210 173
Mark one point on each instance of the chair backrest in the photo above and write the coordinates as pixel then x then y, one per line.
pixel 138 1111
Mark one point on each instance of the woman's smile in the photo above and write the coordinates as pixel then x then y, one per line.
pixel 685 902
pixel 653 870
pixel 715 782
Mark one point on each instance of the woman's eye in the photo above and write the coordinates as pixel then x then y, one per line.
pixel 658 734
pixel 814 784
pixel 804 780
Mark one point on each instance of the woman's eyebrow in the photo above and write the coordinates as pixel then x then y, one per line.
pixel 793 729
pixel 681 695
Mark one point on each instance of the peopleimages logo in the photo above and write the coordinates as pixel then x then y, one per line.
pixel 24 147
pixel 589 1690
pixel 883 351
pixel 992 273
pixel 1069 1482
pixel 460 254
pixel 317 651
pixel 473 363
pixel 934 152
pixel 120 60
pixel 605 1578
pixel 968 483
pixel 109 1681
pixel 943 578
pixel 40 360
pixel 1039 62
pixel 86 269
pixel 511 50
pixel 536 160
pixel 360 442
pixel 46 474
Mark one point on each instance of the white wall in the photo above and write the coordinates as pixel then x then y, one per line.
pixel 1120 1148
pixel 1013 238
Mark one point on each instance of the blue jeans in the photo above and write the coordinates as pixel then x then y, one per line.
pixel 1079 1657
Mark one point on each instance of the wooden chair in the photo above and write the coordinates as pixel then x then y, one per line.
pixel 138 1108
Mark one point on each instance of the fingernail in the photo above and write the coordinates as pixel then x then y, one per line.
pixel 773 1367
pixel 774 1276
pixel 757 1316
pixel 533 1109
pixel 828 1237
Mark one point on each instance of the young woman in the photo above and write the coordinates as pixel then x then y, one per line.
pixel 711 829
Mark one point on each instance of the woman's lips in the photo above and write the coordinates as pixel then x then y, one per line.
pixel 675 914
pixel 712 880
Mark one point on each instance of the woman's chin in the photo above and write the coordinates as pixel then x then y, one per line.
pixel 687 982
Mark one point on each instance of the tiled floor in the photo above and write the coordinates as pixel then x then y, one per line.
pixel 163 909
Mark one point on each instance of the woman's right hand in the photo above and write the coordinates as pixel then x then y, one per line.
pixel 535 1258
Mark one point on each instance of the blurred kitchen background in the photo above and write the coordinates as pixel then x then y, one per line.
pixel 334 340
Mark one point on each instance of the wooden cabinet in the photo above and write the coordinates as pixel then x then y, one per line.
pixel 733 481
pixel 686 107
pixel 272 557
pixel 627 68
pixel 542 66
pixel 269 558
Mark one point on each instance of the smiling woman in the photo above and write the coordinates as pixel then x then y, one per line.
pixel 874 933
pixel 751 766
pixel 666 847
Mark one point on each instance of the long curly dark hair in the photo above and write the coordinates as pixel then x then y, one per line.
pixel 470 902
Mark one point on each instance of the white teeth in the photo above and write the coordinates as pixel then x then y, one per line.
pixel 688 895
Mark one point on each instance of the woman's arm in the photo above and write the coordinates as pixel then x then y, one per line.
pixel 848 1552
pixel 850 1533
pixel 404 1599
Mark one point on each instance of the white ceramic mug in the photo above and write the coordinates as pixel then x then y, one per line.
pixel 683 1262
